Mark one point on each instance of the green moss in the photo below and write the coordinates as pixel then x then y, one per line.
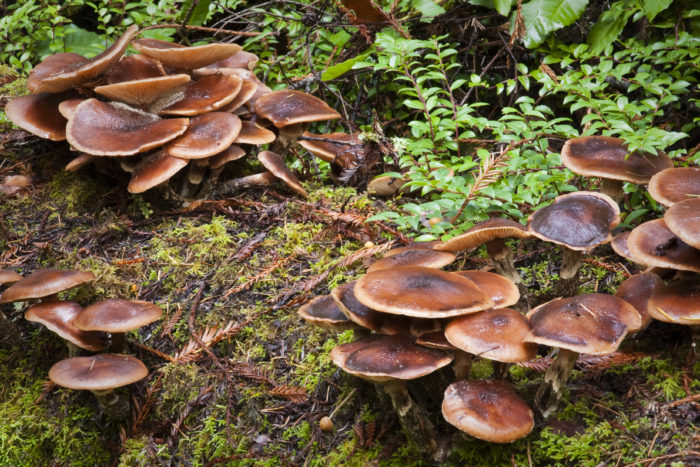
pixel 142 452
pixel 71 194
pixel 181 383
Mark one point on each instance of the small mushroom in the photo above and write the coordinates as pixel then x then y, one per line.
pixel 636 290
pixel 683 219
pixel 153 170
pixel 45 283
pixel 145 93
pixel 59 316
pixel 678 302
pixel 206 135
pixel 275 164
pixel 324 311
pixel 252 133
pixel 39 114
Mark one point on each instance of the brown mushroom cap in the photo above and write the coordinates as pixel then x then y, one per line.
pixel 229 154
pixel 655 244
pixel 435 340
pixel 44 282
pixel 275 164
pixel 607 157
pixel 112 129
pixel 415 257
pixel 67 108
pixel 675 184
pixel 482 232
pixel 206 94
pixel 637 289
pixel 143 92
pixel 153 170
pixel 493 334
pixel 383 323
pixel 324 311
pixel 207 134
pixel 594 324
pixel 420 292
pixel 39 115
pixel 79 161
pixel 100 372
pixel 7 277
pixel 683 219
pixel 413 246
pixel 134 67
pixel 241 59
pixel 385 358
pixel 65 72
pixel 579 221
pixel 328 150
pixel 288 107
pixel 677 302
pixel 488 410
pixel 252 133
pixel 188 58
pixel 58 316
pixel 115 315
pixel 246 93
pixel 620 246
pixel 502 291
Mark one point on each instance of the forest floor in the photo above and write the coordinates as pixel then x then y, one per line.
pixel 237 378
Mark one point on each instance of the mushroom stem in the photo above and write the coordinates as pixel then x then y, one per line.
pixel 568 275
pixel 462 364
pixel 500 369
pixel 288 135
pixel 695 338
pixel 612 188
pixel 259 179
pixel 502 257
pixel 73 350
pixel 113 404
pixel 548 394
pixel 118 344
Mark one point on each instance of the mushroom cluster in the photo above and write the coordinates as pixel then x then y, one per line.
pixel 88 329
pixel 166 107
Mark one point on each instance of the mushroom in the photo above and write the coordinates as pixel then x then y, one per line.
pixel 678 302
pixel 252 133
pixel 637 290
pixel 386 185
pixel 39 114
pixel 655 244
pixel 241 59
pixel 59 316
pixel 9 277
pixel 100 374
pixel 187 58
pixel 414 257
pixel 609 159
pixel 134 67
pixel 324 311
pixel 206 94
pixel 14 184
pixel 207 135
pixel 274 163
pixel 153 170
pixel 593 324
pixel 675 184
pixel 383 323
pixel 151 94
pixel 493 233
pixel 488 410
pixel 328 146
pixel 578 222
pixel 683 219
pixel 391 360
pixel 117 317
pixel 248 90
pixel 46 284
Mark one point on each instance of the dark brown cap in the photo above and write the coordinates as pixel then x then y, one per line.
pixel 288 107
pixel 143 92
pixel 654 244
pixel 482 232
pixel 620 246
pixel 232 153
pixel 420 292
pixel 636 290
pixel 188 58
pixel 134 67
pixel 275 164
pixel 488 410
pixel 607 157
pixel 683 219
pixel 502 291
pixel 153 170
pixel 52 65
pixel 676 184
pixel 246 93
pixel 206 94
pixel 493 334
pixel 579 221
pixel 207 134
pixel 8 277
pixel 385 358
pixel 39 115
pixel 100 372
pixel 324 311
pixel 58 316
pixel 415 257
pixel 115 315
pixel 677 302
pixel 45 282
pixel 383 323
pixel 112 129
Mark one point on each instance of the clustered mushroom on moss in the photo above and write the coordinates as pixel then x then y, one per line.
pixel 413 318
pixel 97 327
pixel 165 108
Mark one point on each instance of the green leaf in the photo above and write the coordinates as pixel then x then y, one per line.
pixel 76 40
pixel 542 17
pixel 503 6
pixel 428 9
pixel 652 8
pixel 199 14
pixel 608 27
pixel 341 68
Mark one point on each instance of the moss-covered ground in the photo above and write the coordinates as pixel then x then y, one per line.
pixel 237 378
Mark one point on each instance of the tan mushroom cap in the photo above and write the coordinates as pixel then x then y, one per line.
pixel 386 185
pixel 134 67
pixel 188 58
pixel 324 311
pixel 289 107
pixel 493 334
pixel 637 289
pixel 66 72
pixel 488 410
pixel 232 153
pixel 252 133
pixel 383 323
pixel 482 232
pixel 246 93
pixel 655 244
pixel 420 292
pixel 275 164
pixel 620 246
pixel 416 257
pixel 99 372
pixel 435 340
pixel 579 221
pixel 153 170
pixel 67 108
pixel 328 150
pixel 7 277
pixel 607 157
pixel 39 115
pixel 683 219
pixel 206 94
pixel 44 282
pixel 143 92
pixel 413 246
pixel 113 129
pixel 502 291
pixel 241 59
pixel 116 315
pixel 593 324
pixel 675 184
pixel 207 134
pixel 79 161
pixel 386 358
pixel 677 302
pixel 58 316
